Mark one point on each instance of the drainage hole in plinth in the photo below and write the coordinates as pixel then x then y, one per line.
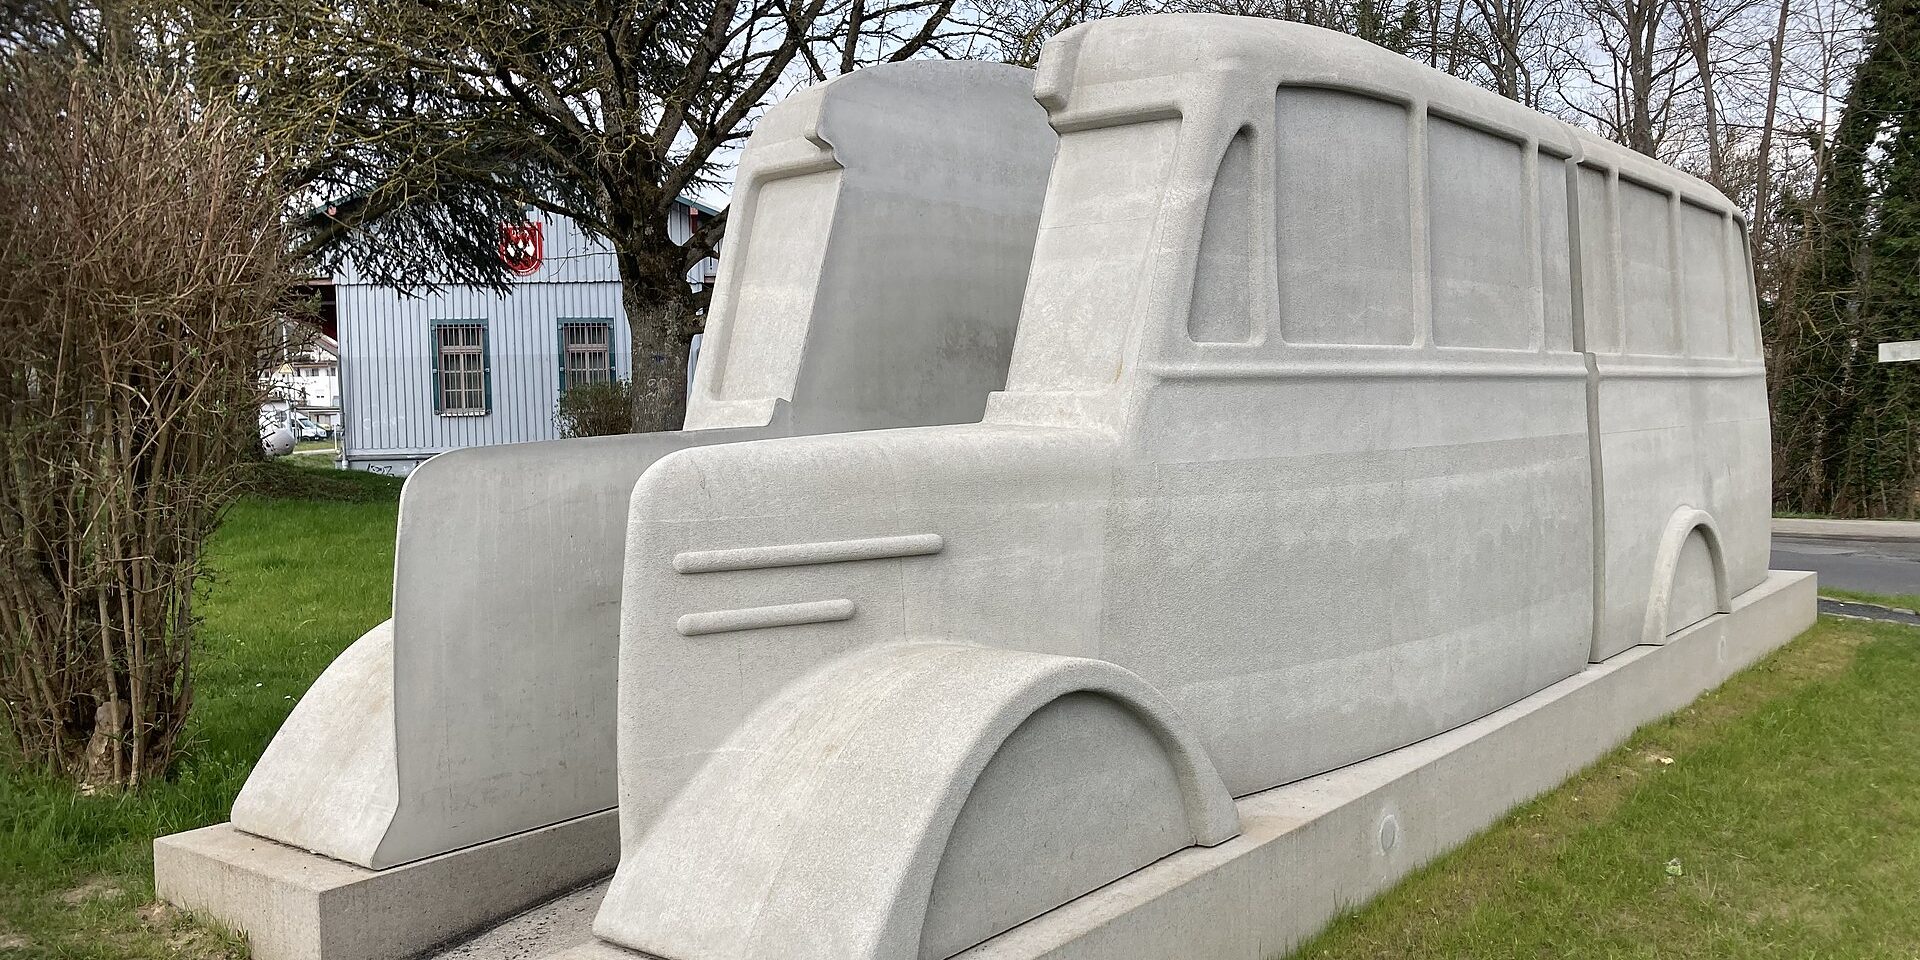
pixel 1389 833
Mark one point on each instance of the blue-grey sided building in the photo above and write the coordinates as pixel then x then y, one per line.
pixel 423 373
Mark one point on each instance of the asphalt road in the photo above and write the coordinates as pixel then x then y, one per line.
pixel 1875 566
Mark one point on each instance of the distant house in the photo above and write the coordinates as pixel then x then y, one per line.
pixel 309 378
pixel 465 366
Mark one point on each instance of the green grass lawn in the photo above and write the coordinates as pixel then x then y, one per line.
pixel 1787 825
pixel 313 453
pixel 295 581
pixel 1790 813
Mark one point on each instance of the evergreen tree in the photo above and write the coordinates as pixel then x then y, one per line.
pixel 1845 426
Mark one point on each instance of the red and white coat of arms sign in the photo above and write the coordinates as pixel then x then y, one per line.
pixel 522 246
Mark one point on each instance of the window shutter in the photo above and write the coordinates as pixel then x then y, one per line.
pixel 560 335
pixel 433 353
pixel 486 369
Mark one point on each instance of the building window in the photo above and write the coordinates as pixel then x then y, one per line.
pixel 461 382
pixel 586 352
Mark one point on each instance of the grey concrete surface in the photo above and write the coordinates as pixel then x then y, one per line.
pixel 1074 768
pixel 836 308
pixel 1315 848
pixel 293 905
pixel 1311 849
pixel 878 245
pixel 542 931
pixel 1304 321
pixel 1873 566
pixel 1257 372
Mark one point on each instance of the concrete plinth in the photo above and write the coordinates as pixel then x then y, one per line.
pixel 295 905
pixel 1313 848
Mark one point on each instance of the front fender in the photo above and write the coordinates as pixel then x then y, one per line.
pixel 904 786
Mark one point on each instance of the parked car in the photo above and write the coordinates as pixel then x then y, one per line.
pixel 306 428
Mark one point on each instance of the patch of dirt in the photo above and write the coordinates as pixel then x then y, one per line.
pixel 92 890
pixel 10 942
pixel 188 940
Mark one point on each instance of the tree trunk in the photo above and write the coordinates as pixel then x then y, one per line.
pixel 1644 30
pixel 1762 218
pixel 659 363
pixel 1696 19
pixel 661 325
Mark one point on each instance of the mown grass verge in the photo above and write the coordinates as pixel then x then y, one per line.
pixel 1778 816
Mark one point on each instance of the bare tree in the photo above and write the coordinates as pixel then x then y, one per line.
pixel 1013 31
pixel 1763 181
pixel 1521 48
pixel 1699 39
pixel 1633 69
pixel 425 125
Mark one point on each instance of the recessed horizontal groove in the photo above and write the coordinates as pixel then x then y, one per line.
pixel 760 618
pixel 1466 369
pixel 1366 370
pixel 806 554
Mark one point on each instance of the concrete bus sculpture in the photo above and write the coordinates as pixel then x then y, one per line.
pixel 1357 421
pixel 882 226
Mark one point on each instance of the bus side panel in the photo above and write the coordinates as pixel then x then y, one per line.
pixel 1649 472
pixel 1735 452
pixel 1671 441
pixel 1744 468
pixel 1364 561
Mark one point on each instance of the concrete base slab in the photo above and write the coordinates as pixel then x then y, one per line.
pixel 295 905
pixel 1314 848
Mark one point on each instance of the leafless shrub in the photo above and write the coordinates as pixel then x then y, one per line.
pixel 141 258
pixel 596 409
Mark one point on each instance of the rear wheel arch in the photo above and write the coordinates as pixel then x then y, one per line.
pixel 1674 573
